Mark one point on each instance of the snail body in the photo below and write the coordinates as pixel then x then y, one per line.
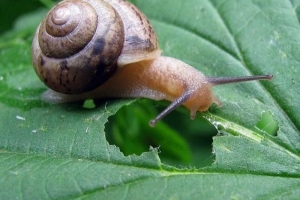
pixel 116 54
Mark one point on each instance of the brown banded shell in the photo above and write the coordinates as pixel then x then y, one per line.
pixel 80 43
pixel 140 42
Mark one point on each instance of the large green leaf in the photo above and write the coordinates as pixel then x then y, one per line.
pixel 61 151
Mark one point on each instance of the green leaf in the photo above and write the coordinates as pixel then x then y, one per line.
pixel 61 151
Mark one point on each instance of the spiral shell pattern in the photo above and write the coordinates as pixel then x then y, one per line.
pixel 69 25
pixel 80 43
pixel 77 45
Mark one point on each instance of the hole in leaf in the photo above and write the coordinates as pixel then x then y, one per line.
pixel 267 124
pixel 298 13
pixel 89 104
pixel 181 141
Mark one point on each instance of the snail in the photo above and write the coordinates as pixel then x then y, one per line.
pixel 107 48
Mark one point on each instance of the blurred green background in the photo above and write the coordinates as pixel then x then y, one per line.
pixel 10 10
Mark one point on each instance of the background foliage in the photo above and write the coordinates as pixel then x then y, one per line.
pixel 106 148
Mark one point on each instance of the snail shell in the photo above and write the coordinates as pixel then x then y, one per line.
pixel 81 43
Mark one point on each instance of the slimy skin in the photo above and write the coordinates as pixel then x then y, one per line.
pixel 162 78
